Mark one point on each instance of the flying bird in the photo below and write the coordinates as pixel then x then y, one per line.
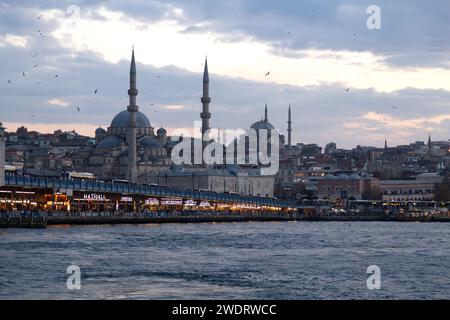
pixel 39 18
pixel 78 109
pixel 348 89
pixel 394 107
pixel 56 76
pixel 95 91
pixel 23 74
pixel 35 55
pixel 35 66
pixel 267 74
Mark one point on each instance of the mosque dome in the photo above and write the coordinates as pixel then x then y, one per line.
pixel 161 131
pixel 110 142
pixel 262 124
pixel 122 118
pixel 150 143
pixel 100 130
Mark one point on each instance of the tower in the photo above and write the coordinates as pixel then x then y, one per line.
pixel 289 130
pixel 429 143
pixel 266 118
pixel 131 134
pixel 205 115
pixel 385 144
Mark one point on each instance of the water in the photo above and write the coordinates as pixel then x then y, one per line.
pixel 284 260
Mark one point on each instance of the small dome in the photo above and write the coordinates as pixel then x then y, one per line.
pixel 161 131
pixel 150 142
pixel 262 124
pixel 110 142
pixel 122 118
pixel 100 130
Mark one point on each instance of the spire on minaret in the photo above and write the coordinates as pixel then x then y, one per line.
pixel 132 108
pixel 205 71
pixel 205 115
pixel 133 63
pixel 429 143
pixel 265 113
pixel 385 144
pixel 289 127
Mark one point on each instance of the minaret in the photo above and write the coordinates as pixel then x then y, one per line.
pixel 385 144
pixel 131 134
pixel 289 130
pixel 205 115
pixel 429 143
pixel 266 119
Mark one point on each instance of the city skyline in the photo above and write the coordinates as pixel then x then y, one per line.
pixel 317 76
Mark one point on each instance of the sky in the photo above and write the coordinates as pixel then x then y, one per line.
pixel 345 83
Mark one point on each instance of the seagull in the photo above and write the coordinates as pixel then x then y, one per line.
pixel 35 66
pixel 348 89
pixel 56 76
pixel 354 33
pixel 39 18
pixel 394 107
pixel 23 74
pixel 9 81
pixel 95 91
pixel 78 108
pixel 35 55
pixel 267 74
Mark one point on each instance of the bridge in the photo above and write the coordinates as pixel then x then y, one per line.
pixel 138 189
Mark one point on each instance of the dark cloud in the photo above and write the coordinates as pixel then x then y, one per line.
pixel 414 34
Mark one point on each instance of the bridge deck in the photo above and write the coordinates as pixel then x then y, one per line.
pixel 152 191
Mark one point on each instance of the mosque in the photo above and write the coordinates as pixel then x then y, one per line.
pixel 130 148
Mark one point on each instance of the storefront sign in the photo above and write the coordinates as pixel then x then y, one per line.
pixel 204 204
pixel 152 201
pixel 171 202
pixel 189 202
pixel 94 196
pixel 126 199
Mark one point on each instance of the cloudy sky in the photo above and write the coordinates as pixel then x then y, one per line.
pixel 345 83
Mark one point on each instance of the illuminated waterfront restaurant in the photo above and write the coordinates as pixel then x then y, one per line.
pixel 38 194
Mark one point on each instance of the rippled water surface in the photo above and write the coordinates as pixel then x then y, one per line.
pixel 286 260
